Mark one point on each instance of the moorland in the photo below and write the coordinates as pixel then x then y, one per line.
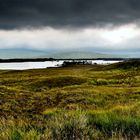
pixel 75 102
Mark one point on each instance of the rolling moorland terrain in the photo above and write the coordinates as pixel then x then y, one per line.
pixel 75 102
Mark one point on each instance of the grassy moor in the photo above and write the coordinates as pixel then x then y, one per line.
pixel 75 102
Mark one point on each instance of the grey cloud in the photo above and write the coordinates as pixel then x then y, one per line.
pixel 71 13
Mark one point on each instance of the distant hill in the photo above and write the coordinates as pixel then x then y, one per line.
pixel 78 55
pixel 19 53
pixel 32 53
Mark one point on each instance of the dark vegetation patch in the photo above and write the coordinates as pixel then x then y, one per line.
pixel 56 82
pixel 135 64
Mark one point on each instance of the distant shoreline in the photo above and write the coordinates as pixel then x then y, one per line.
pixel 53 59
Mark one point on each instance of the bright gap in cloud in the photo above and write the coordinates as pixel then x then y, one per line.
pixel 58 38
pixel 121 34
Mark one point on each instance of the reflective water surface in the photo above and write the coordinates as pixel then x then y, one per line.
pixel 46 64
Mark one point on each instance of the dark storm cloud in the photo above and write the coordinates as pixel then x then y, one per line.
pixel 72 13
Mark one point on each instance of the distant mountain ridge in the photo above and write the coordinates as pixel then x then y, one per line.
pixel 78 55
pixel 32 53
pixel 19 53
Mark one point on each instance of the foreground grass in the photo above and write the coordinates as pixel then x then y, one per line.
pixel 73 125
pixel 74 102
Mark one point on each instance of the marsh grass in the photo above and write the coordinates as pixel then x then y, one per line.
pixel 74 103
pixel 75 125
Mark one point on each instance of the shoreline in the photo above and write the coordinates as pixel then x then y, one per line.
pixel 14 60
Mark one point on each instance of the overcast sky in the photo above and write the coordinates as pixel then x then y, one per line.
pixel 103 25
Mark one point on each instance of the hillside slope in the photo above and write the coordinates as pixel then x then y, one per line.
pixel 32 53
pixel 78 55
